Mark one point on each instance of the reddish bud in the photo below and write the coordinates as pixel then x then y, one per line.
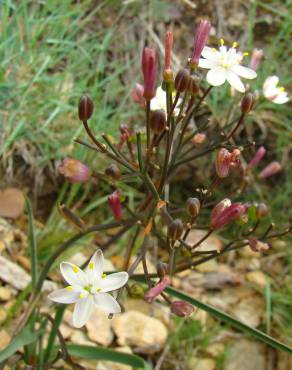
pixel 193 86
pixel 149 68
pixel 199 138
pixel 256 58
pixel 157 289
pixel 85 107
pixel 74 170
pixel 71 217
pixel 247 103
pixel 257 246
pixel 193 206
pixel 222 163
pixel 125 135
pixel 223 215
pixel 113 171
pixel 167 74
pixel 158 121
pixel 137 94
pixel 260 153
pixel 175 229
pixel 115 204
pixel 182 308
pixel 181 81
pixel 200 40
pixel 261 210
pixel 162 269
pixel 270 170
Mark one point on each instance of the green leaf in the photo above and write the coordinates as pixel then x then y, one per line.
pixel 32 244
pixel 230 320
pixel 99 353
pixel 24 338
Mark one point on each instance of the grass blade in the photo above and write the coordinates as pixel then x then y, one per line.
pixel 32 244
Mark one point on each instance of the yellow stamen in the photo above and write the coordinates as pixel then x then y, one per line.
pixel 235 44
pixel 81 295
pixel 103 276
pixel 98 289
pixel 69 287
pixel 75 269
pixel 214 50
pixel 246 53
pixel 282 89
pixel 221 42
pixel 91 265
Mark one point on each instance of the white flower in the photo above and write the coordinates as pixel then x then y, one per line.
pixel 89 288
pixel 224 64
pixel 273 92
pixel 159 101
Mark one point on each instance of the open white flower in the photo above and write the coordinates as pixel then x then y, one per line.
pixel 159 101
pixel 89 288
pixel 224 64
pixel 273 92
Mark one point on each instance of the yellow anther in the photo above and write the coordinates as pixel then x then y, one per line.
pixel 214 50
pixel 282 89
pixel 221 42
pixel 103 276
pixel 69 287
pixel 98 289
pixel 246 53
pixel 75 269
pixel 235 44
pixel 91 265
pixel 81 295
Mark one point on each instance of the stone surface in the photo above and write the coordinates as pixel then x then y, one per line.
pixel 146 334
pixel 79 337
pixel 197 363
pixel 66 331
pixel 249 311
pixel 4 339
pixel 5 293
pixel 99 328
pixel 258 278
pixel 11 203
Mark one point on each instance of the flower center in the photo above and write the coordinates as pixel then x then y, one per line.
pixel 88 288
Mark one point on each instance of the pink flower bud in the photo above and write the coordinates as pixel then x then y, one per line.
pixel 260 153
pixel 125 136
pixel 256 58
pixel 115 204
pixel 223 161
pixel 257 246
pixel 224 215
pixel 157 289
pixel 149 68
pixel 74 170
pixel 270 170
pixel 137 95
pixel 167 74
pixel 201 37
pixel 182 308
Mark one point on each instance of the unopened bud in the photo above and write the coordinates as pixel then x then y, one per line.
pixel 247 103
pixel 74 170
pixel 182 308
pixel 257 246
pixel 200 40
pixel 157 289
pixel 227 215
pixel 193 206
pixel 223 161
pixel 175 229
pixel 261 210
pixel 270 170
pixel 70 216
pixel 149 69
pixel 115 204
pixel 256 58
pixel 85 107
pixel 136 290
pixel 181 81
pixel 158 121
pixel 193 86
pixel 199 138
pixel 113 171
pixel 260 153
pixel 162 269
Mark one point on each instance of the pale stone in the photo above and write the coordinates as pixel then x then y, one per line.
pixel 249 311
pixel 197 363
pixel 4 339
pixel 108 365
pixel 146 334
pixel 210 244
pixel 5 293
pixel 258 278
pixel 79 337
pixel 99 328
pixel 3 315
pixel 215 349
pixel 245 355
pixel 66 331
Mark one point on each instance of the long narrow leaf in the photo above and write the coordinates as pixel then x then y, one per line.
pixel 230 320
pixel 98 353
pixel 32 244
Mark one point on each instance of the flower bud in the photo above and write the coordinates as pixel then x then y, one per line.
pixel 199 138
pixel 247 103
pixel 270 170
pixel 136 291
pixel 256 58
pixel 220 207
pixel 157 289
pixel 181 81
pixel 137 95
pixel 193 206
pixel 158 121
pixel 115 204
pixel 200 40
pixel 257 246
pixel 85 107
pixel 125 135
pixel 113 171
pixel 222 163
pixel 193 86
pixel 227 215
pixel 162 269
pixel 175 229
pixel 70 216
pixel 260 153
pixel 261 210
pixel 149 68
pixel 74 170
pixel 168 43
pixel 182 308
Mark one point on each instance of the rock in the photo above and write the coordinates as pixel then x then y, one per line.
pixel 210 244
pixel 10 237
pixel 79 337
pixel 144 333
pixel 66 331
pixel 284 361
pixel 4 339
pixel 258 278
pixel 3 315
pixel 215 349
pixel 99 328
pixel 245 355
pixel 5 294
pixel 197 363
pixel 249 310
pixel 108 365
pixel 11 203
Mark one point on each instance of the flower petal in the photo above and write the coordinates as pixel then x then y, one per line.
pixel 271 81
pixel 211 54
pixel 107 303
pixel 244 72
pixel 64 296
pixel 113 281
pixel 95 267
pixel 82 311
pixel 235 81
pixel 281 99
pixel 206 63
pixel 73 274
pixel 216 76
